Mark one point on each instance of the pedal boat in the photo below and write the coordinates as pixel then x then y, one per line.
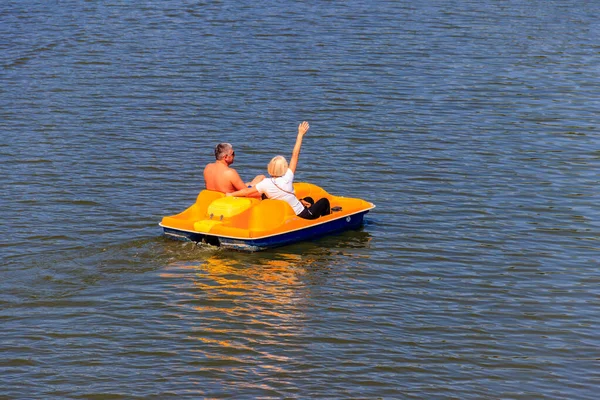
pixel 250 224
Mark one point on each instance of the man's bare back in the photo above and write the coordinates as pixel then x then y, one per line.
pixel 222 178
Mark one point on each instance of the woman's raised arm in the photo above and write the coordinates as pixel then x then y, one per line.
pixel 302 129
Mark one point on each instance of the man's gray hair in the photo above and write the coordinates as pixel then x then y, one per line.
pixel 222 149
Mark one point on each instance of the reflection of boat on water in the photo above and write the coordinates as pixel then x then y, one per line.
pixel 230 300
pixel 252 224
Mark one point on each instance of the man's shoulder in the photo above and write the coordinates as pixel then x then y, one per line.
pixel 210 166
pixel 230 171
pixel 220 169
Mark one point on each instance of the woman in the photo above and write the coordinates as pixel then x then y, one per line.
pixel 280 185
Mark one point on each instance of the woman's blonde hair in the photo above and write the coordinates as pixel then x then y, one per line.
pixel 277 167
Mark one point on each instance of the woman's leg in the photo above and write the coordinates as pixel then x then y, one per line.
pixel 317 210
pixel 257 179
pixel 321 208
pixel 309 200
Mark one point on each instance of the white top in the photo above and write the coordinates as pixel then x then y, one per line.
pixel 281 188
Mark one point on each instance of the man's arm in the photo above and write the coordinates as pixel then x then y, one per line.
pixel 234 178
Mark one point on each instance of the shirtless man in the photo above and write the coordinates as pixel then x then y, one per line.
pixel 220 177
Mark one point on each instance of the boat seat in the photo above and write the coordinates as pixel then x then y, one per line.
pixel 208 196
pixel 204 199
pixel 269 214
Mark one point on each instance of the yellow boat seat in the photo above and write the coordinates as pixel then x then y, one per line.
pixel 269 214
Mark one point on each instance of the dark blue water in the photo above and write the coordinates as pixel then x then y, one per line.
pixel 472 125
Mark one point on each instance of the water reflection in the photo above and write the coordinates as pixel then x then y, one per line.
pixel 248 310
pixel 230 276
pixel 245 312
